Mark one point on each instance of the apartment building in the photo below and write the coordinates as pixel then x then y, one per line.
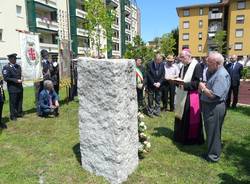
pixel 56 20
pixel 199 23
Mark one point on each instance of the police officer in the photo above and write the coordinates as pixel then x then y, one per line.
pixel 12 75
pixel 2 98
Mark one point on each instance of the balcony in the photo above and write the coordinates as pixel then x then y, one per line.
pixel 211 35
pixel 127 31
pixel 212 16
pixel 115 26
pixel 45 23
pixel 116 40
pixel 116 53
pixel 49 47
pixel 50 3
pixel 128 20
pixel 80 13
pixel 83 50
pixel 127 42
pixel 127 10
pixel 112 3
pixel 82 32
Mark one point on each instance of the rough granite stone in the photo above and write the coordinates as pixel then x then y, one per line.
pixel 108 117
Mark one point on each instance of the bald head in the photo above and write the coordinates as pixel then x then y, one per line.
pixel 233 58
pixel 214 61
pixel 185 56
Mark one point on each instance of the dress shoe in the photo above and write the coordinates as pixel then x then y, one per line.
pixel 3 126
pixel 13 119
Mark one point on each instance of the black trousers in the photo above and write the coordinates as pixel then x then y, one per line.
pixel 1 111
pixel 168 92
pixel 235 90
pixel 154 95
pixel 16 104
pixel 140 98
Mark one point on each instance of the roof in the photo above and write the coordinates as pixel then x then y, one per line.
pixel 223 3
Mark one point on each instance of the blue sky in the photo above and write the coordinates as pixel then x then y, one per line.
pixel 160 16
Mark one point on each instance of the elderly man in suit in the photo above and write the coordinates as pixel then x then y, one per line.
pixel 234 69
pixel 155 78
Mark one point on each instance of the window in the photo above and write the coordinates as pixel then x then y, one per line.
pixel 200 23
pixel 128 37
pixel 18 10
pixel 238 46
pixel 117 20
pixel 185 36
pixel 127 26
pixel 185 47
pixel 240 19
pixel 201 11
pixel 241 5
pixel 199 48
pixel 186 24
pixel 186 13
pixel 115 46
pixel 200 35
pixel 116 34
pixel 239 33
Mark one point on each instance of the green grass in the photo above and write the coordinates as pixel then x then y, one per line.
pixel 34 149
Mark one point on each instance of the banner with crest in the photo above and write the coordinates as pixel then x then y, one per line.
pixel 30 57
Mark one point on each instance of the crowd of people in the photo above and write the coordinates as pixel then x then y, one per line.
pixel 197 90
pixel 46 90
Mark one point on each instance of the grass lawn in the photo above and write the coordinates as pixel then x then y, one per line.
pixel 37 150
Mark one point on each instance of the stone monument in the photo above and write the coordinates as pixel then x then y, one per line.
pixel 108 117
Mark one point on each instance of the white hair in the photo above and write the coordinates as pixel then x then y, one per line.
pixel 47 84
pixel 217 57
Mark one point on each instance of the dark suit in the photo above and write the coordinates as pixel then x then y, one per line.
pixel 11 74
pixel 2 98
pixel 155 73
pixel 235 74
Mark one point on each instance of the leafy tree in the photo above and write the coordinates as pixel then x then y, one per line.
pixel 139 50
pixel 219 41
pixel 99 21
pixel 175 33
pixel 167 44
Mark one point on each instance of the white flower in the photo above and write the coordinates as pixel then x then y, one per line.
pixel 140 115
pixel 142 124
pixel 148 145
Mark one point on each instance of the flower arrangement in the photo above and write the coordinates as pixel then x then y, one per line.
pixel 144 144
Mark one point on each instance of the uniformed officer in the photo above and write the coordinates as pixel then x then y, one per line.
pixel 2 98
pixel 12 74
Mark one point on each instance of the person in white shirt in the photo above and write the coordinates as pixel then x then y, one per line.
pixel 168 88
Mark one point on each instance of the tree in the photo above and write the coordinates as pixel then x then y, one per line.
pixel 167 44
pixel 99 21
pixel 139 50
pixel 219 41
pixel 175 33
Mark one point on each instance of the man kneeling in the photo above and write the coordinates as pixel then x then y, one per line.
pixel 48 100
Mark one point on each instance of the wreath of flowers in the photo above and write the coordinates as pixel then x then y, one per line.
pixel 144 143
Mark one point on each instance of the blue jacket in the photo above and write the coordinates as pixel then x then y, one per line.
pixel 44 97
